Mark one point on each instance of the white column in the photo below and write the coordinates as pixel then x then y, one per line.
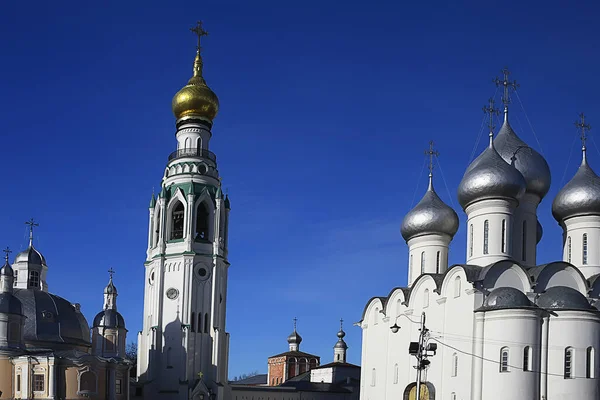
pixel 189 237
pixel 52 379
pixel 477 359
pixel 544 358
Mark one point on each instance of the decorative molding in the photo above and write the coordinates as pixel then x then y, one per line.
pixel 441 300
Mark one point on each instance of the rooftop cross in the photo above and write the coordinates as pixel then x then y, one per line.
pixel 341 324
pixel 491 110
pixel 31 224
pixel 111 272
pixel 199 31
pixel 431 153
pixel 507 85
pixel 295 321
pixel 584 128
pixel 6 251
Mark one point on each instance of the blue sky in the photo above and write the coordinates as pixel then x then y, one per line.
pixel 326 110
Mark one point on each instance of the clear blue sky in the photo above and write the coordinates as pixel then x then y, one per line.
pixel 326 108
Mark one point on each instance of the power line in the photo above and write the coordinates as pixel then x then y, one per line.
pixel 417 185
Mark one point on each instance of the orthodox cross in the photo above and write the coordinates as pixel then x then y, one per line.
pixel 295 321
pixel 341 324
pixel 111 272
pixel 507 86
pixel 491 110
pixel 431 153
pixel 31 224
pixel 199 31
pixel 584 127
pixel 6 251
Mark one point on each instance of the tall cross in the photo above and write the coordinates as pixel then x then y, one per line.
pixel 199 31
pixel 584 127
pixel 31 224
pixel 295 321
pixel 491 111
pixel 341 324
pixel 507 86
pixel 6 251
pixel 111 272
pixel 431 153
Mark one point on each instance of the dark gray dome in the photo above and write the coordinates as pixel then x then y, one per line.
pixel 109 319
pixel 110 288
pixel 31 256
pixel 539 232
pixel 294 338
pixel 340 344
pixel 563 298
pixel 9 304
pixel 580 196
pixel 488 177
pixel 529 162
pixel 7 270
pixel 430 215
pixel 505 298
pixel 52 319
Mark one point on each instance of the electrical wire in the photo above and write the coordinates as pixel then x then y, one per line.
pixel 417 185
pixel 568 161
pixel 480 131
pixel 444 179
pixel 529 122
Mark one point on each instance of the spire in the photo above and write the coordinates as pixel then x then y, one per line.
pixel 110 292
pixel 583 135
pixel 152 200
pixel 507 86
pixel 339 350
pixel 200 32
pixel 294 339
pixel 7 252
pixel 31 224
pixel 6 274
pixel 491 111
pixel 431 153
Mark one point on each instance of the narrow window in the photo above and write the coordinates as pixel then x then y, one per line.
pixel 192 321
pixel 410 264
pixel 169 357
pixel 452 396
pixel 584 255
pixel 426 298
pixel 486 232
pixel 568 362
pixel 504 236
pixel 118 389
pixel 504 359
pixel 199 322
pixel 186 144
pixel 589 363
pixel 157 231
pixel 38 382
pixel 471 240
pixel 177 223
pixel 87 382
pixel 34 279
pixel 206 323
pixel 454 364
pixel 437 263
pixel 527 358
pixel 18 383
pixel 373 381
pixel 202 222
pixel 524 253
pixel 457 287
pixel 569 249
pixel 422 262
pixel 395 374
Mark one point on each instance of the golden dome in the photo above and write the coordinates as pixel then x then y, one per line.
pixel 196 98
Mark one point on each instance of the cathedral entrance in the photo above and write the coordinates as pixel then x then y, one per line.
pixel 427 391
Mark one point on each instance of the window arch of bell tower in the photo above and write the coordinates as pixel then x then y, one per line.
pixel 204 219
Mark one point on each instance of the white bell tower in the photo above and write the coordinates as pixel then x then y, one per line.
pixel 183 347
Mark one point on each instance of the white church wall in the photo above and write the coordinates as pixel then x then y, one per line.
pixel 573 252
pixel 506 274
pixel 429 254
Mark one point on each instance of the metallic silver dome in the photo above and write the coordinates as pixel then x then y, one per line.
pixel 580 196
pixel 31 256
pixel 341 344
pixel 7 270
pixel 9 304
pixel 504 298
pixel 528 162
pixel 563 298
pixel 294 338
pixel 539 232
pixel 430 215
pixel 488 177
pixel 110 288
pixel 109 319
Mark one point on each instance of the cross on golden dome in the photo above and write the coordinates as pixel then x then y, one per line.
pixel 199 31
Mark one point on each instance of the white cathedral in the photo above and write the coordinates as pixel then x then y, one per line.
pixel 505 327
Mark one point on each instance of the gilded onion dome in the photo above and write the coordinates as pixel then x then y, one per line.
pixel 430 216
pixel 527 161
pixel 489 177
pixel 580 196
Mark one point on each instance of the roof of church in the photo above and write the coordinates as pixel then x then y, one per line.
pixel 260 379
pixel 295 354
pixel 338 364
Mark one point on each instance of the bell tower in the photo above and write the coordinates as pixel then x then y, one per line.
pixel 183 347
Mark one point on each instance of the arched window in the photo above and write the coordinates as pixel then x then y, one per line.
pixel 422 262
pixel 157 230
pixel 199 322
pixel 504 236
pixel 199 144
pixel 202 222
pixel 87 382
pixel 569 249
pixel 313 363
pixel 192 322
pixel 410 264
pixel 292 364
pixel 177 222
pixel 373 377
pixel 395 374
pixel 206 323
pixel 486 233
pixel 34 279
pixel 426 298
pixel 504 359
pixel 524 238
pixel 527 358
pixel 186 144
pixel 471 240
pixel 590 363
pixel 454 364
pixel 437 263
pixel 453 396
pixel 303 365
pixel 457 286
pixel 169 357
pixel 584 250
pixel 568 363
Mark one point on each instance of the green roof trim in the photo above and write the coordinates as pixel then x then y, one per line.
pixel 152 201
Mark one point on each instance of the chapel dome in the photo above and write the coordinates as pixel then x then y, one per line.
pixel 7 270
pixel 506 297
pixel 109 319
pixel 294 338
pixel 488 177
pixel 430 215
pixel 580 196
pixel 52 320
pixel 110 288
pixel 528 162
pixel 196 98
pixel 563 298
pixel 30 256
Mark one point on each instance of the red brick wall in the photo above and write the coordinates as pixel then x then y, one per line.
pixel 276 370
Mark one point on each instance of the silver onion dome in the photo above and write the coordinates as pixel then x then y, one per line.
pixel 539 232
pixel 294 338
pixel 527 161
pixel 580 196
pixel 430 215
pixel 30 256
pixel 489 177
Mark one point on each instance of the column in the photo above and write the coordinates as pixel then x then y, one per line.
pixel 52 380
pixel 477 361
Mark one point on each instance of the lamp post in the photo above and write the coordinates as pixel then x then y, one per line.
pixel 418 349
